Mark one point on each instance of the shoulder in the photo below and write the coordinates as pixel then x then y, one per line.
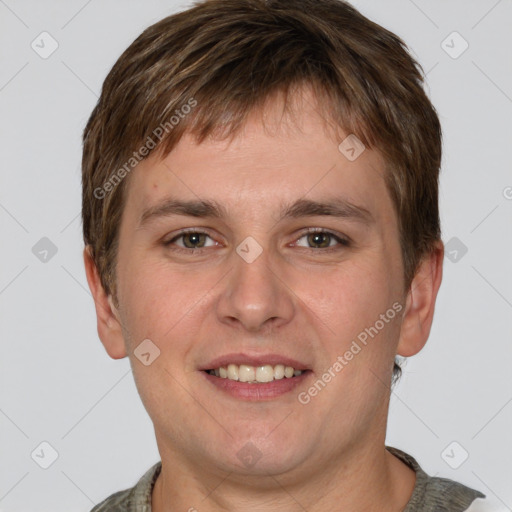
pixel 118 502
pixel 446 495
pixel 440 494
pixel 136 498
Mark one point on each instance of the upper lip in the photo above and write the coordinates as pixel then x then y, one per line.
pixel 254 360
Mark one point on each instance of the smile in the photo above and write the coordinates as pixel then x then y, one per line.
pixel 255 374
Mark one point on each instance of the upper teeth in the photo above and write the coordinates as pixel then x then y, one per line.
pixel 251 374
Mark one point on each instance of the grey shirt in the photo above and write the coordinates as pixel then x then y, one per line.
pixel 430 494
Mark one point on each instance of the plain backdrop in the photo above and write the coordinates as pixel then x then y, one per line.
pixel 58 385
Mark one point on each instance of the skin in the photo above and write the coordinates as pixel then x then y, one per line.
pixel 294 299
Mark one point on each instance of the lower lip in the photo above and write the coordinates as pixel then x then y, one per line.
pixel 258 391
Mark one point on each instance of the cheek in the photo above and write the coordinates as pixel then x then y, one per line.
pixel 144 295
pixel 350 295
pixel 161 303
pixel 346 306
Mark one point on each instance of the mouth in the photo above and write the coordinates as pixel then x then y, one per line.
pixel 250 378
pixel 255 374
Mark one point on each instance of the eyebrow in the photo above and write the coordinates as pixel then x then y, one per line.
pixel 337 207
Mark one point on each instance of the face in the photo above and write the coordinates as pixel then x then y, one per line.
pixel 257 276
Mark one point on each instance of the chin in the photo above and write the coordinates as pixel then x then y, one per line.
pixel 263 455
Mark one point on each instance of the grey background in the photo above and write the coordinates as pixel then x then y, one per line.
pixel 58 384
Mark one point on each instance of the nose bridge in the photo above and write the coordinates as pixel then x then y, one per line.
pixel 254 294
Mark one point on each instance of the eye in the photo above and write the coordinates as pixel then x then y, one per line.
pixel 190 240
pixel 318 238
pixel 315 238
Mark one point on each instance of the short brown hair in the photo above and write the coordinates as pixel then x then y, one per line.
pixel 229 56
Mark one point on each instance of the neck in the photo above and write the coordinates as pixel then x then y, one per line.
pixel 366 478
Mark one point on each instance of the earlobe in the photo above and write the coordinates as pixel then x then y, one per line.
pixel 420 303
pixel 108 320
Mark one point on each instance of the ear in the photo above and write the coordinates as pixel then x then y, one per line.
pixel 109 325
pixel 420 303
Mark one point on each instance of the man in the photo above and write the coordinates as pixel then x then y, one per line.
pixel 260 212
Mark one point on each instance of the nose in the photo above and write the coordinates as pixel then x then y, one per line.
pixel 255 295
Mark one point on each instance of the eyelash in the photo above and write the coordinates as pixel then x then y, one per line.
pixel 344 242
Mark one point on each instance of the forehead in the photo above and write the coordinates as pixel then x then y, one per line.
pixel 276 157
